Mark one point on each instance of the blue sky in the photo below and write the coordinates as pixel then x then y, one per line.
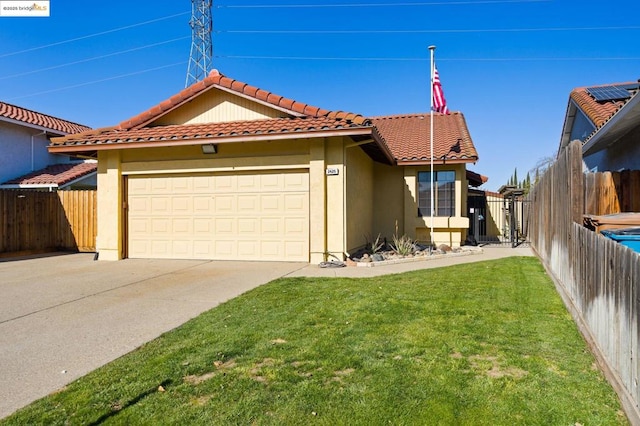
pixel 507 65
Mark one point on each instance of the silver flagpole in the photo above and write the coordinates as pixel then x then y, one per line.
pixel 432 50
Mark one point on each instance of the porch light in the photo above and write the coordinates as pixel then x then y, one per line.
pixel 209 148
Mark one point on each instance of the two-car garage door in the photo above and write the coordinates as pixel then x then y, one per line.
pixel 239 216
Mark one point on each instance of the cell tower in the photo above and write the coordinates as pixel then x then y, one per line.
pixel 200 59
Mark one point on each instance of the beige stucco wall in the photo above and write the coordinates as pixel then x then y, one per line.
pixel 110 231
pixel 446 230
pixel 359 198
pixel 388 201
pixel 335 196
pixel 217 106
pixel 327 196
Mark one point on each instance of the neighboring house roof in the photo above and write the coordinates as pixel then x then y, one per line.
pixel 482 192
pixel 409 138
pixel 476 179
pixel 611 118
pixel 55 175
pixel 21 115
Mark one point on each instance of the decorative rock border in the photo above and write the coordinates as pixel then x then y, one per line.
pixel 464 251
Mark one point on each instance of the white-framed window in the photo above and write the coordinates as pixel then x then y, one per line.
pixel 444 196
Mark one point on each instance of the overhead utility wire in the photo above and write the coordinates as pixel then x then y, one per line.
pixel 320 58
pixel 488 30
pixel 439 3
pixel 59 89
pixel 92 59
pixel 4 55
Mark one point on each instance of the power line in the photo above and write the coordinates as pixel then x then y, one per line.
pixel 440 3
pixel 488 30
pixel 59 89
pixel 326 58
pixel 93 58
pixel 92 35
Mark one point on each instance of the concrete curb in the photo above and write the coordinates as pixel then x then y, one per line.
pixel 416 259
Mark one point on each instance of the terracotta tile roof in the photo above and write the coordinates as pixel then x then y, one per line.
pixel 55 174
pixel 476 179
pixel 408 137
pixel 208 131
pixel 599 112
pixel 38 119
pixel 216 79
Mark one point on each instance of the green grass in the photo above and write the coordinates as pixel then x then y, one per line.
pixel 488 343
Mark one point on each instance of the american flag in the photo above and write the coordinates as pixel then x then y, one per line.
pixel 439 102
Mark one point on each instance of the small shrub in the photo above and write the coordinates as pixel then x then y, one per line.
pixel 374 246
pixel 403 246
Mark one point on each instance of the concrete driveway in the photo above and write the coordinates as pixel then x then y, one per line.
pixel 63 316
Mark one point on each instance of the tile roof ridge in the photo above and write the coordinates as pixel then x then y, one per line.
pixel 217 79
pixel 42 114
pixel 412 115
pixel 80 135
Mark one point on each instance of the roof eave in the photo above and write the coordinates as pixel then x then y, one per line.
pixel 77 148
pixel 437 162
pixel 617 126
pixel 49 186
pixel 164 112
pixel 33 126
pixel 78 179
pixel 569 118
pixel 383 147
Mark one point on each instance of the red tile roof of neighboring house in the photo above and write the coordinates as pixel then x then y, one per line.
pixel 209 131
pixel 218 80
pixel 38 119
pixel 599 112
pixel 56 174
pixel 408 138
pixel 476 179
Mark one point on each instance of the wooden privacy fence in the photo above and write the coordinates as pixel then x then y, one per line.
pixel 598 279
pixel 35 221
pixel 612 192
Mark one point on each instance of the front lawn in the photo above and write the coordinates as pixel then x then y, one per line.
pixel 476 344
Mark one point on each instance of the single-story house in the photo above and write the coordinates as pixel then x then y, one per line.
pixel 24 138
pixel 606 119
pixel 224 170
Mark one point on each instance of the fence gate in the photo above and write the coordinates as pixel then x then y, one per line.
pixel 497 219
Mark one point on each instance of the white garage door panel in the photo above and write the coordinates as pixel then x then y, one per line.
pixel 261 216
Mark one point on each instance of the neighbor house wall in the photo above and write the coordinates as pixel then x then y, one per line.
pixel 19 157
pixel 216 106
pixel 359 199
pixel 624 154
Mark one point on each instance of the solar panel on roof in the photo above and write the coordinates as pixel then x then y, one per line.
pixel 608 93
pixel 629 86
